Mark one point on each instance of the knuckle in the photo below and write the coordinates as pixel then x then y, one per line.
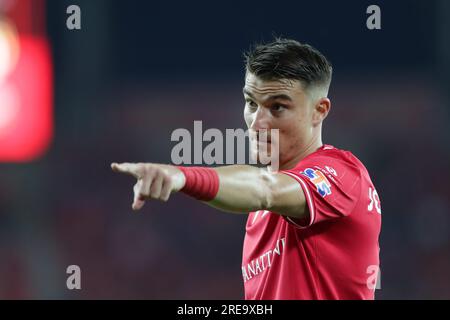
pixel 154 197
pixel 166 180
pixel 161 173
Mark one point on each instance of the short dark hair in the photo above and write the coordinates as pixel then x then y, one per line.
pixel 289 59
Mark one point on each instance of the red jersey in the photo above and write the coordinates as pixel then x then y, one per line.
pixel 334 254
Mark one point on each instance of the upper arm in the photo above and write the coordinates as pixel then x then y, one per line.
pixel 286 196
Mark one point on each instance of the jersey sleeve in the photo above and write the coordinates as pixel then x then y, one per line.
pixel 332 188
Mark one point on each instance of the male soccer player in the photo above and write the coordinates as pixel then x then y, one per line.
pixel 313 226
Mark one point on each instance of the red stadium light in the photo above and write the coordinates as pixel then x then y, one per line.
pixel 26 103
pixel 26 84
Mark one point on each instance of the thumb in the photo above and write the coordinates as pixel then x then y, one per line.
pixel 138 202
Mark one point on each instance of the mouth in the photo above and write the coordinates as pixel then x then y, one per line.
pixel 266 140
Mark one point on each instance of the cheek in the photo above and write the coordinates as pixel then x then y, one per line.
pixel 292 127
pixel 290 135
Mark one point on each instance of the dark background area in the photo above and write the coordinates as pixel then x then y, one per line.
pixel 137 70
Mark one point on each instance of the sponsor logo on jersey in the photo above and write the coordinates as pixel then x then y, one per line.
pixel 319 180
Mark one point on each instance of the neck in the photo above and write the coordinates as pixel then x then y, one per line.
pixel 312 147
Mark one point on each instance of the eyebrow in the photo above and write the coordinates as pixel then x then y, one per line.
pixel 274 97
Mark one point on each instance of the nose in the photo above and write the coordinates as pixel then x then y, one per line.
pixel 261 120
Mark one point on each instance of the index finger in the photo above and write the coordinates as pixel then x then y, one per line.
pixel 127 168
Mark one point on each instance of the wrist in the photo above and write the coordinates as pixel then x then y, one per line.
pixel 177 176
pixel 200 183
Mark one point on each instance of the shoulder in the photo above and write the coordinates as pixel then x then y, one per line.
pixel 335 163
pixel 330 155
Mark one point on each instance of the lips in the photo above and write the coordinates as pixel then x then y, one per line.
pixel 267 140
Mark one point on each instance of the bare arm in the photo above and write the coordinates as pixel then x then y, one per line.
pixel 242 188
pixel 246 188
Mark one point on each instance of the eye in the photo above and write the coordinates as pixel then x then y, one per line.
pixel 251 105
pixel 277 108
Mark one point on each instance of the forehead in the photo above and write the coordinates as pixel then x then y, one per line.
pixel 258 86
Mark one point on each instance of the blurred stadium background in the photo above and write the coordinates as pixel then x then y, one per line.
pixel 71 102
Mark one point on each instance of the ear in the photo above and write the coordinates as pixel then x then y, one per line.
pixel 321 109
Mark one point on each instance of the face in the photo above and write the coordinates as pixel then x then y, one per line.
pixel 283 105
